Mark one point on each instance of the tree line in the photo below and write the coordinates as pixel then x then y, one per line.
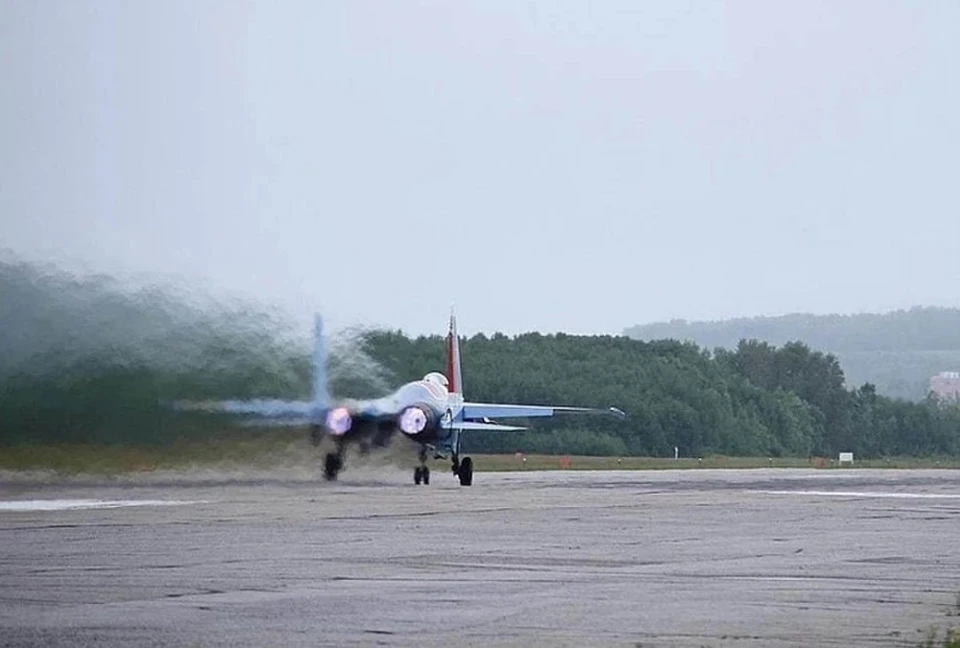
pixel 756 399
pixel 90 361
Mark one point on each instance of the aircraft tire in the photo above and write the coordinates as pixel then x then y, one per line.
pixel 331 466
pixel 466 472
pixel 417 475
pixel 426 475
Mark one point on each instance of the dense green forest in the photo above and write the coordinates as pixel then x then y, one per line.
pixel 754 400
pixel 897 351
pixel 88 360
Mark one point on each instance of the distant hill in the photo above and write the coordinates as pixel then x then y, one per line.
pixel 896 351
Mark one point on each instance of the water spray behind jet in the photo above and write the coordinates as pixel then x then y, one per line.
pixel 352 371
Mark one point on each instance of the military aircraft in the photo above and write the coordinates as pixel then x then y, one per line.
pixel 432 412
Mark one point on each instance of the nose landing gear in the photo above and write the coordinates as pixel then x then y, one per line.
pixel 332 464
pixel 421 474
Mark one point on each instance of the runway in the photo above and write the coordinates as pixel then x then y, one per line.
pixel 658 558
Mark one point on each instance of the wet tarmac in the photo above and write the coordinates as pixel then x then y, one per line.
pixel 664 558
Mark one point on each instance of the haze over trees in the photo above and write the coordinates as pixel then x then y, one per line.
pixel 897 351
pixel 89 361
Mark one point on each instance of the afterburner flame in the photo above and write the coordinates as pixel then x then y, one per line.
pixel 339 421
pixel 413 420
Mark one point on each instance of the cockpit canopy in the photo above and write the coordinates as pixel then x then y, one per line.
pixel 437 378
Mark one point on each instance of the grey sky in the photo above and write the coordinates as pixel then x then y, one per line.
pixel 566 166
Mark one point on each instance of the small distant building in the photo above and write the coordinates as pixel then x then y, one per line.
pixel 946 385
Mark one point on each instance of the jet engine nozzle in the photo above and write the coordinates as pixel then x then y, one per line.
pixel 339 421
pixel 413 420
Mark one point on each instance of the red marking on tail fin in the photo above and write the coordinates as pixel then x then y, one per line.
pixel 454 378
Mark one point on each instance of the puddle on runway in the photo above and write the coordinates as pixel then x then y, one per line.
pixel 83 504
pixel 896 495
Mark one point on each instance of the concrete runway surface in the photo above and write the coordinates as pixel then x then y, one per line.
pixel 660 558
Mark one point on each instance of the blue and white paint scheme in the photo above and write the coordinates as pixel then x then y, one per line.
pixel 430 411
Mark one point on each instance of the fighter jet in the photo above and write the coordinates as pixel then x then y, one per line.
pixel 431 412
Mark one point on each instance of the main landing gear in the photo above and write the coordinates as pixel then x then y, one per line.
pixel 332 464
pixel 463 469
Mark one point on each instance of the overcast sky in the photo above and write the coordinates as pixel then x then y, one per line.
pixel 571 166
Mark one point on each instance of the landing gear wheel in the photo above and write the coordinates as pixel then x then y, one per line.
pixel 465 472
pixel 331 466
pixel 426 475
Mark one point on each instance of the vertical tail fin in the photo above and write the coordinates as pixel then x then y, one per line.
pixel 454 375
pixel 321 392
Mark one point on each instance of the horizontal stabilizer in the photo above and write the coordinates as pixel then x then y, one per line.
pixel 489 427
pixel 498 411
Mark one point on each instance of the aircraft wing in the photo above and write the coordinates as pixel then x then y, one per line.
pixel 498 411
